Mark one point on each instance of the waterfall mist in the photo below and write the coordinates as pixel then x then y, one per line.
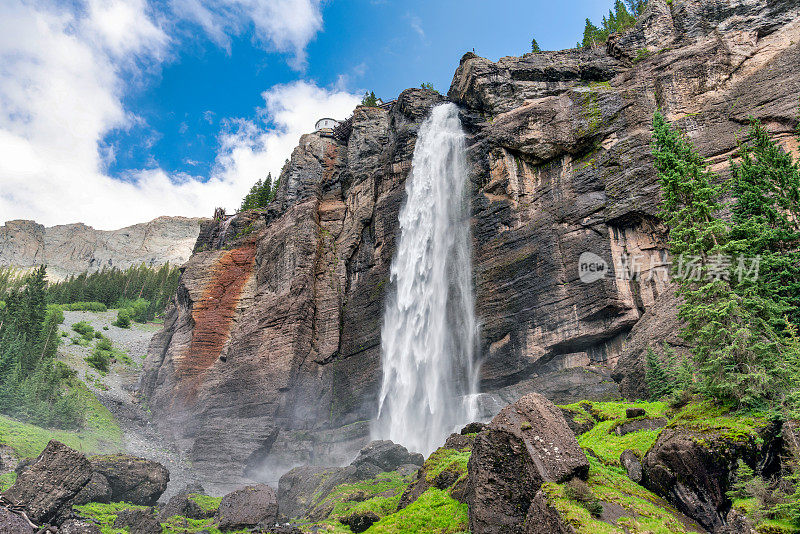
pixel 429 329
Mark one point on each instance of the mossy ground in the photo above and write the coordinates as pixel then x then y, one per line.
pixel 106 514
pixel 644 511
pixel 435 511
pixel 102 433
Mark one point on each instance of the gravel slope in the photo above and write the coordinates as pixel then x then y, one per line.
pixel 117 389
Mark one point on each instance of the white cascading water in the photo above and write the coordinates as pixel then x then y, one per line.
pixel 429 328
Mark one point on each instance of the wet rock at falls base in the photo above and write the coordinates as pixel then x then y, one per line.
pixel 386 456
pixel 138 521
pixel 360 521
pixel 527 444
pixel 248 507
pixel 303 488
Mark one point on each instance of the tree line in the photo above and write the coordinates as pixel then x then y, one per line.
pixel 735 249
pixel 118 288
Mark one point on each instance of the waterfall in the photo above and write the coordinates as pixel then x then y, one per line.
pixel 429 328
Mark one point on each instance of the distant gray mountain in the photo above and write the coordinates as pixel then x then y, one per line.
pixel 74 248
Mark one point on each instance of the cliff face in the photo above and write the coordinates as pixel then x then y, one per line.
pixel 271 355
pixel 75 248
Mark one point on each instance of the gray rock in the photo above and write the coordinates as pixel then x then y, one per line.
pixel 248 507
pixel 526 445
pixel 78 526
pixel 692 469
pixel 97 490
pixel 132 479
pixel 630 413
pixel 182 505
pixel 138 521
pixel 640 424
pixel 48 486
pixel 386 456
pixel 632 464
pixel 70 249
pixel 360 521
pixel 11 523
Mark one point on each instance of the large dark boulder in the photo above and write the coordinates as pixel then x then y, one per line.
pixel 138 521
pixel 97 490
pixel 527 444
pixel 47 487
pixel 693 462
pixel 133 480
pixel 11 523
pixel 248 507
pixel 387 456
pixel 360 521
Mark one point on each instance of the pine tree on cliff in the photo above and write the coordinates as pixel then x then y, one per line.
pixel 766 218
pixel 535 46
pixel 740 357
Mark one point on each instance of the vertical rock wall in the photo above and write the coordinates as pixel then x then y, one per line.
pixel 259 370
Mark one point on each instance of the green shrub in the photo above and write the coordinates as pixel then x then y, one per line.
pixel 123 319
pixel 100 359
pixel 84 329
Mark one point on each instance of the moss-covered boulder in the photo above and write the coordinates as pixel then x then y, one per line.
pixel 694 458
pixel 526 445
pixel 445 469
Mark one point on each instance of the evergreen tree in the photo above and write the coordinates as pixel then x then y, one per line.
pixel 369 100
pixel 591 35
pixel 656 377
pixel 535 47
pixel 766 218
pixel 741 358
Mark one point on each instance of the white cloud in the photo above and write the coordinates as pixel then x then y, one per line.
pixel 63 73
pixel 281 25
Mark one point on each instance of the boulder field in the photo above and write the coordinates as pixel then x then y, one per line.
pixel 525 472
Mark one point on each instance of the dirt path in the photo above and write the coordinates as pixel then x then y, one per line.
pixel 116 389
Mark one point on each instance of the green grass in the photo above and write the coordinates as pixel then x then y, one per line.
pixel 707 417
pixel 380 495
pixel 608 446
pixel 105 514
pixel 7 480
pixel 101 433
pixel 443 459
pixel 648 513
pixel 207 504
pixel 434 511
pixel 606 416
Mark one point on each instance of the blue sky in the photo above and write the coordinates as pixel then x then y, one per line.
pixel 116 111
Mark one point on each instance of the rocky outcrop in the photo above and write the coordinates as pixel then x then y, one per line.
pixel 693 462
pixel 138 521
pixel 303 489
pixel 270 356
pixel 526 445
pixel 248 507
pixel 71 249
pixel 131 479
pixel 46 489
